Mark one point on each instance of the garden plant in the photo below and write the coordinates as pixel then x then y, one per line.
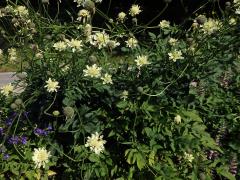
pixel 122 100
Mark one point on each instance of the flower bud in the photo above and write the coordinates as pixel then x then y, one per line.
pixel 140 89
pixel 90 6
pixel 13 106
pixel 18 102
pixel 201 19
pixel 228 3
pixel 68 112
pixel 92 59
pixel 56 113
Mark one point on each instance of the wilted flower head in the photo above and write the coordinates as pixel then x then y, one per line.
pixel 175 55
pixel 92 71
pixel 52 85
pixel 164 24
pixel 7 89
pixel 210 26
pixel 132 42
pixel 112 44
pixel 135 10
pixel 99 39
pixel 96 143
pixel 40 157
pixel 107 79
pixel 87 30
pixel 83 15
pixel 121 16
pixel 141 61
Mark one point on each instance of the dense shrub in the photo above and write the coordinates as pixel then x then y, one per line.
pixel 120 102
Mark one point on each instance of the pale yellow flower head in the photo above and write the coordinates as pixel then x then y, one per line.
pixel 40 157
pixel 7 89
pixel 134 10
pixel 21 11
pixel 60 46
pixel 177 119
pixel 107 79
pixel 141 61
pixel 132 42
pixel 164 24
pixel 172 41
pixel 99 39
pixel 83 15
pixel 96 143
pixel 51 85
pixel 124 95
pixel 188 157
pixel 75 45
pixel 121 16
pixel 92 71
pixel 175 55
pixel 210 26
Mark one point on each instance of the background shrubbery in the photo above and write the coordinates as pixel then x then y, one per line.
pixel 163 98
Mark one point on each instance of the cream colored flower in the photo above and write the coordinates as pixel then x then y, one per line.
pixel 40 157
pixel 107 79
pixel 7 89
pixel 83 15
pixel 141 61
pixel 51 86
pixel 177 119
pixel 121 16
pixel 175 55
pixel 99 39
pixel 12 54
pixel 134 10
pixel 132 42
pixel 60 45
pixel 210 26
pixel 96 143
pixel 188 157
pixel 237 11
pixel 21 11
pixel 79 2
pixel 87 30
pixel 92 71
pixel 164 24
pixel 232 21
pixel 75 44
pixel 172 41
pixel 112 44
pixel 124 95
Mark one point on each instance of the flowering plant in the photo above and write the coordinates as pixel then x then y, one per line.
pixel 110 103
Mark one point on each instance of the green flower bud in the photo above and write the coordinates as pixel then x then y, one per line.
pixel 13 106
pixel 68 112
pixel 56 113
pixel 90 6
pixel 201 19
pixel 228 3
pixel 18 102
pixel 140 89
pixel 92 59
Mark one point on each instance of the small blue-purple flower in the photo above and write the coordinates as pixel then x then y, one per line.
pixel 13 140
pixel 6 156
pixel 1 131
pixel 23 140
pixel 40 132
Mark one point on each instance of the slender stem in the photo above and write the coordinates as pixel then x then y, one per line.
pixel 159 94
pixel 45 111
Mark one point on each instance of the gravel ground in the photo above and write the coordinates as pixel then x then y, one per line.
pixel 6 77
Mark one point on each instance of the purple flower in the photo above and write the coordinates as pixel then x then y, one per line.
pixel 13 140
pixel 9 121
pixel 49 128
pixel 1 131
pixel 6 156
pixel 40 132
pixel 23 140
